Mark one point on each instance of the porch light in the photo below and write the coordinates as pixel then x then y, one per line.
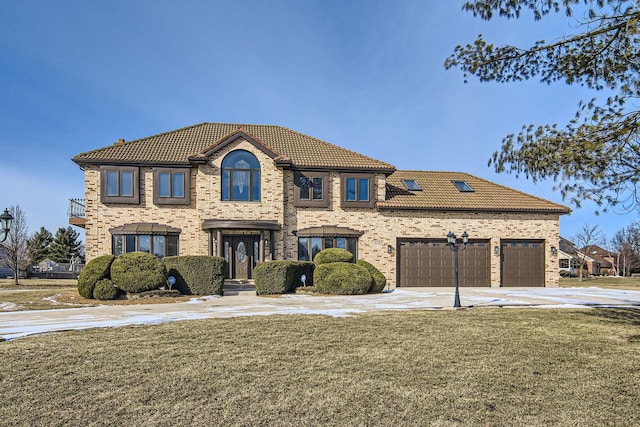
pixel 389 249
pixel 455 246
pixel 6 220
pixel 554 251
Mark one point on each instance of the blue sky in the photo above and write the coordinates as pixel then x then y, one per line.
pixel 367 75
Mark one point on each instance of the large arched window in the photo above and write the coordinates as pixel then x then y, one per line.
pixel 241 177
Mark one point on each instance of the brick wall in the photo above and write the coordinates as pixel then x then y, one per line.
pixel 380 228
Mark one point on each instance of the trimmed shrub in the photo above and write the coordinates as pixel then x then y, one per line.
pixel 279 277
pixel 379 281
pixel 342 278
pixel 326 256
pixel 105 290
pixel 138 272
pixel 196 275
pixel 95 270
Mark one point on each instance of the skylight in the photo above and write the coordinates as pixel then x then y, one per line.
pixel 463 186
pixel 411 185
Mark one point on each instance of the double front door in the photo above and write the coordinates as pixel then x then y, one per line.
pixel 241 253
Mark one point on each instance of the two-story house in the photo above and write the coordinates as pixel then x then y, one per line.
pixel 252 193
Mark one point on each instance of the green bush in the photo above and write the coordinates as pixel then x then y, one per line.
pixel 379 281
pixel 95 270
pixel 138 272
pixel 342 278
pixel 279 277
pixel 327 256
pixel 105 290
pixel 198 275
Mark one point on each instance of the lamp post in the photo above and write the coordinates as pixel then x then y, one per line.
pixel 456 246
pixel 6 219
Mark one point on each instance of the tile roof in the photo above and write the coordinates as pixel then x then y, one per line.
pixel 175 147
pixel 438 192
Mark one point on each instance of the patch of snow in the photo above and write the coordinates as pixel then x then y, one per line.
pixel 7 306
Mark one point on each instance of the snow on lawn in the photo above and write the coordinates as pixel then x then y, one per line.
pixel 17 324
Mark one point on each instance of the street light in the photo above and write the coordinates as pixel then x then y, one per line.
pixel 6 219
pixel 455 246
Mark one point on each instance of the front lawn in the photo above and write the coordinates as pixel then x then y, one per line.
pixel 46 294
pixel 609 282
pixel 464 367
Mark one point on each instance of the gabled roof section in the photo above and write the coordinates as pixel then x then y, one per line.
pixel 439 193
pixel 286 146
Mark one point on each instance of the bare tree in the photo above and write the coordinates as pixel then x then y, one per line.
pixel 612 254
pixel 16 249
pixel 587 236
pixel 627 245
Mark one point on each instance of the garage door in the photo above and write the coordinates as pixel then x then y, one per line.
pixel 430 263
pixel 522 263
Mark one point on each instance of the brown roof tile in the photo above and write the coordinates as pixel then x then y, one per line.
pixel 438 192
pixel 177 146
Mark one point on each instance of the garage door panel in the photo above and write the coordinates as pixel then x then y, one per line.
pixel 522 263
pixel 431 263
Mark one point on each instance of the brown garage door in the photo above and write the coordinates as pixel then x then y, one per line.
pixel 430 263
pixel 522 263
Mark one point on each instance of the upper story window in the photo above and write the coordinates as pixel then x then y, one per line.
pixel 119 184
pixel 171 186
pixel 311 189
pixel 241 177
pixel 411 185
pixel 358 190
pixel 463 186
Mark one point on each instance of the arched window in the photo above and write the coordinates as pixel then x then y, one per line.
pixel 241 177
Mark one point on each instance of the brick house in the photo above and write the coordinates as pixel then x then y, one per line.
pixel 253 193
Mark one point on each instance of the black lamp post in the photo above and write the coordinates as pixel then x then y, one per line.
pixel 455 246
pixel 6 219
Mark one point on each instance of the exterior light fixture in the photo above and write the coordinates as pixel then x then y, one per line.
pixel 554 251
pixel 6 219
pixel 496 250
pixel 389 249
pixel 456 246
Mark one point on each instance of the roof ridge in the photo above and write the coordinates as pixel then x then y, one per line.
pixel 334 145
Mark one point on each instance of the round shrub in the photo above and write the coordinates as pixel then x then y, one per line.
pixel 341 278
pixel 279 277
pixel 326 256
pixel 95 270
pixel 105 290
pixel 138 272
pixel 379 281
pixel 196 274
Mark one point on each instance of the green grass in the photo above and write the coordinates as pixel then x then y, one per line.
pixel 465 367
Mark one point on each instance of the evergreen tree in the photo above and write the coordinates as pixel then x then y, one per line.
pixel 65 245
pixel 39 245
pixel 596 156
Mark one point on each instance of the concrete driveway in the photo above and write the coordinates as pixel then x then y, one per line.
pixel 15 324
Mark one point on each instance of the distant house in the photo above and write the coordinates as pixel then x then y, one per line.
pixel 49 269
pixel 607 260
pixel 253 193
pixel 593 259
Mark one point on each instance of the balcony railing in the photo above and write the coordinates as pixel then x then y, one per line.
pixel 76 212
pixel 76 208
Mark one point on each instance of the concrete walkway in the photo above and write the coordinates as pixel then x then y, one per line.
pixel 15 324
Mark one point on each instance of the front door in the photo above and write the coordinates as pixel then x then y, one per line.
pixel 241 255
pixel 242 264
